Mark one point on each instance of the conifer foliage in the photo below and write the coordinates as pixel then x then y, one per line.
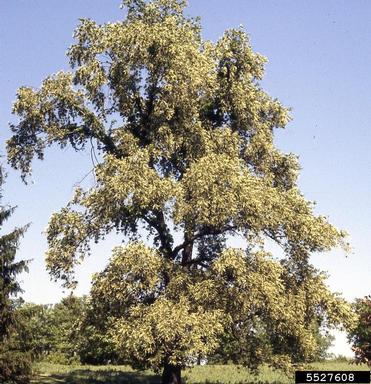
pixel 185 134
pixel 14 365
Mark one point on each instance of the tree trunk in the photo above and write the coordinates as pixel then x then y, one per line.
pixel 171 374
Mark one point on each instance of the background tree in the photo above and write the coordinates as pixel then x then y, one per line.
pixel 63 333
pixel 324 340
pixel 15 366
pixel 34 329
pixel 65 317
pixel 93 342
pixel 185 138
pixel 360 336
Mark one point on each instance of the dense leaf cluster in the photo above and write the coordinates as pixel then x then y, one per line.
pixel 64 333
pixel 360 336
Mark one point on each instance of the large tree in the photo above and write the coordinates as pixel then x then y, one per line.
pixel 52 332
pixel 35 329
pixel 15 366
pixel 360 336
pixel 185 136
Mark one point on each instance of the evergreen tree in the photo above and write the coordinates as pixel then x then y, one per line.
pixel 14 365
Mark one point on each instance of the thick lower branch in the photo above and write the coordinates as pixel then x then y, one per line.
pixel 163 233
pixel 188 247
pixel 190 239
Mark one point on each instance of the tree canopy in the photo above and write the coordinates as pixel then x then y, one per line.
pixel 360 336
pixel 185 136
pixel 64 333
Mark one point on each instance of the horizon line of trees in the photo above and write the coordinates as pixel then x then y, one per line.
pixel 70 331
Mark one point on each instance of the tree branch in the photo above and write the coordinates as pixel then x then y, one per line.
pixel 198 235
pixel 164 235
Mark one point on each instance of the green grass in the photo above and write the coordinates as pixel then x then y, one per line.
pixel 47 373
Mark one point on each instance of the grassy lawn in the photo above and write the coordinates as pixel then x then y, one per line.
pixel 209 374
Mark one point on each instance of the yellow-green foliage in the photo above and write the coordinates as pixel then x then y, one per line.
pixel 186 137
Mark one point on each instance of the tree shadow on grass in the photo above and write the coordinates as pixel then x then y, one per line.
pixel 240 382
pixel 266 382
pixel 86 376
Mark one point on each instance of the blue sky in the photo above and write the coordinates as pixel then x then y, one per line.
pixel 319 56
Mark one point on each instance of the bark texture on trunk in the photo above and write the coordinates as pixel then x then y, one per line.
pixel 171 374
